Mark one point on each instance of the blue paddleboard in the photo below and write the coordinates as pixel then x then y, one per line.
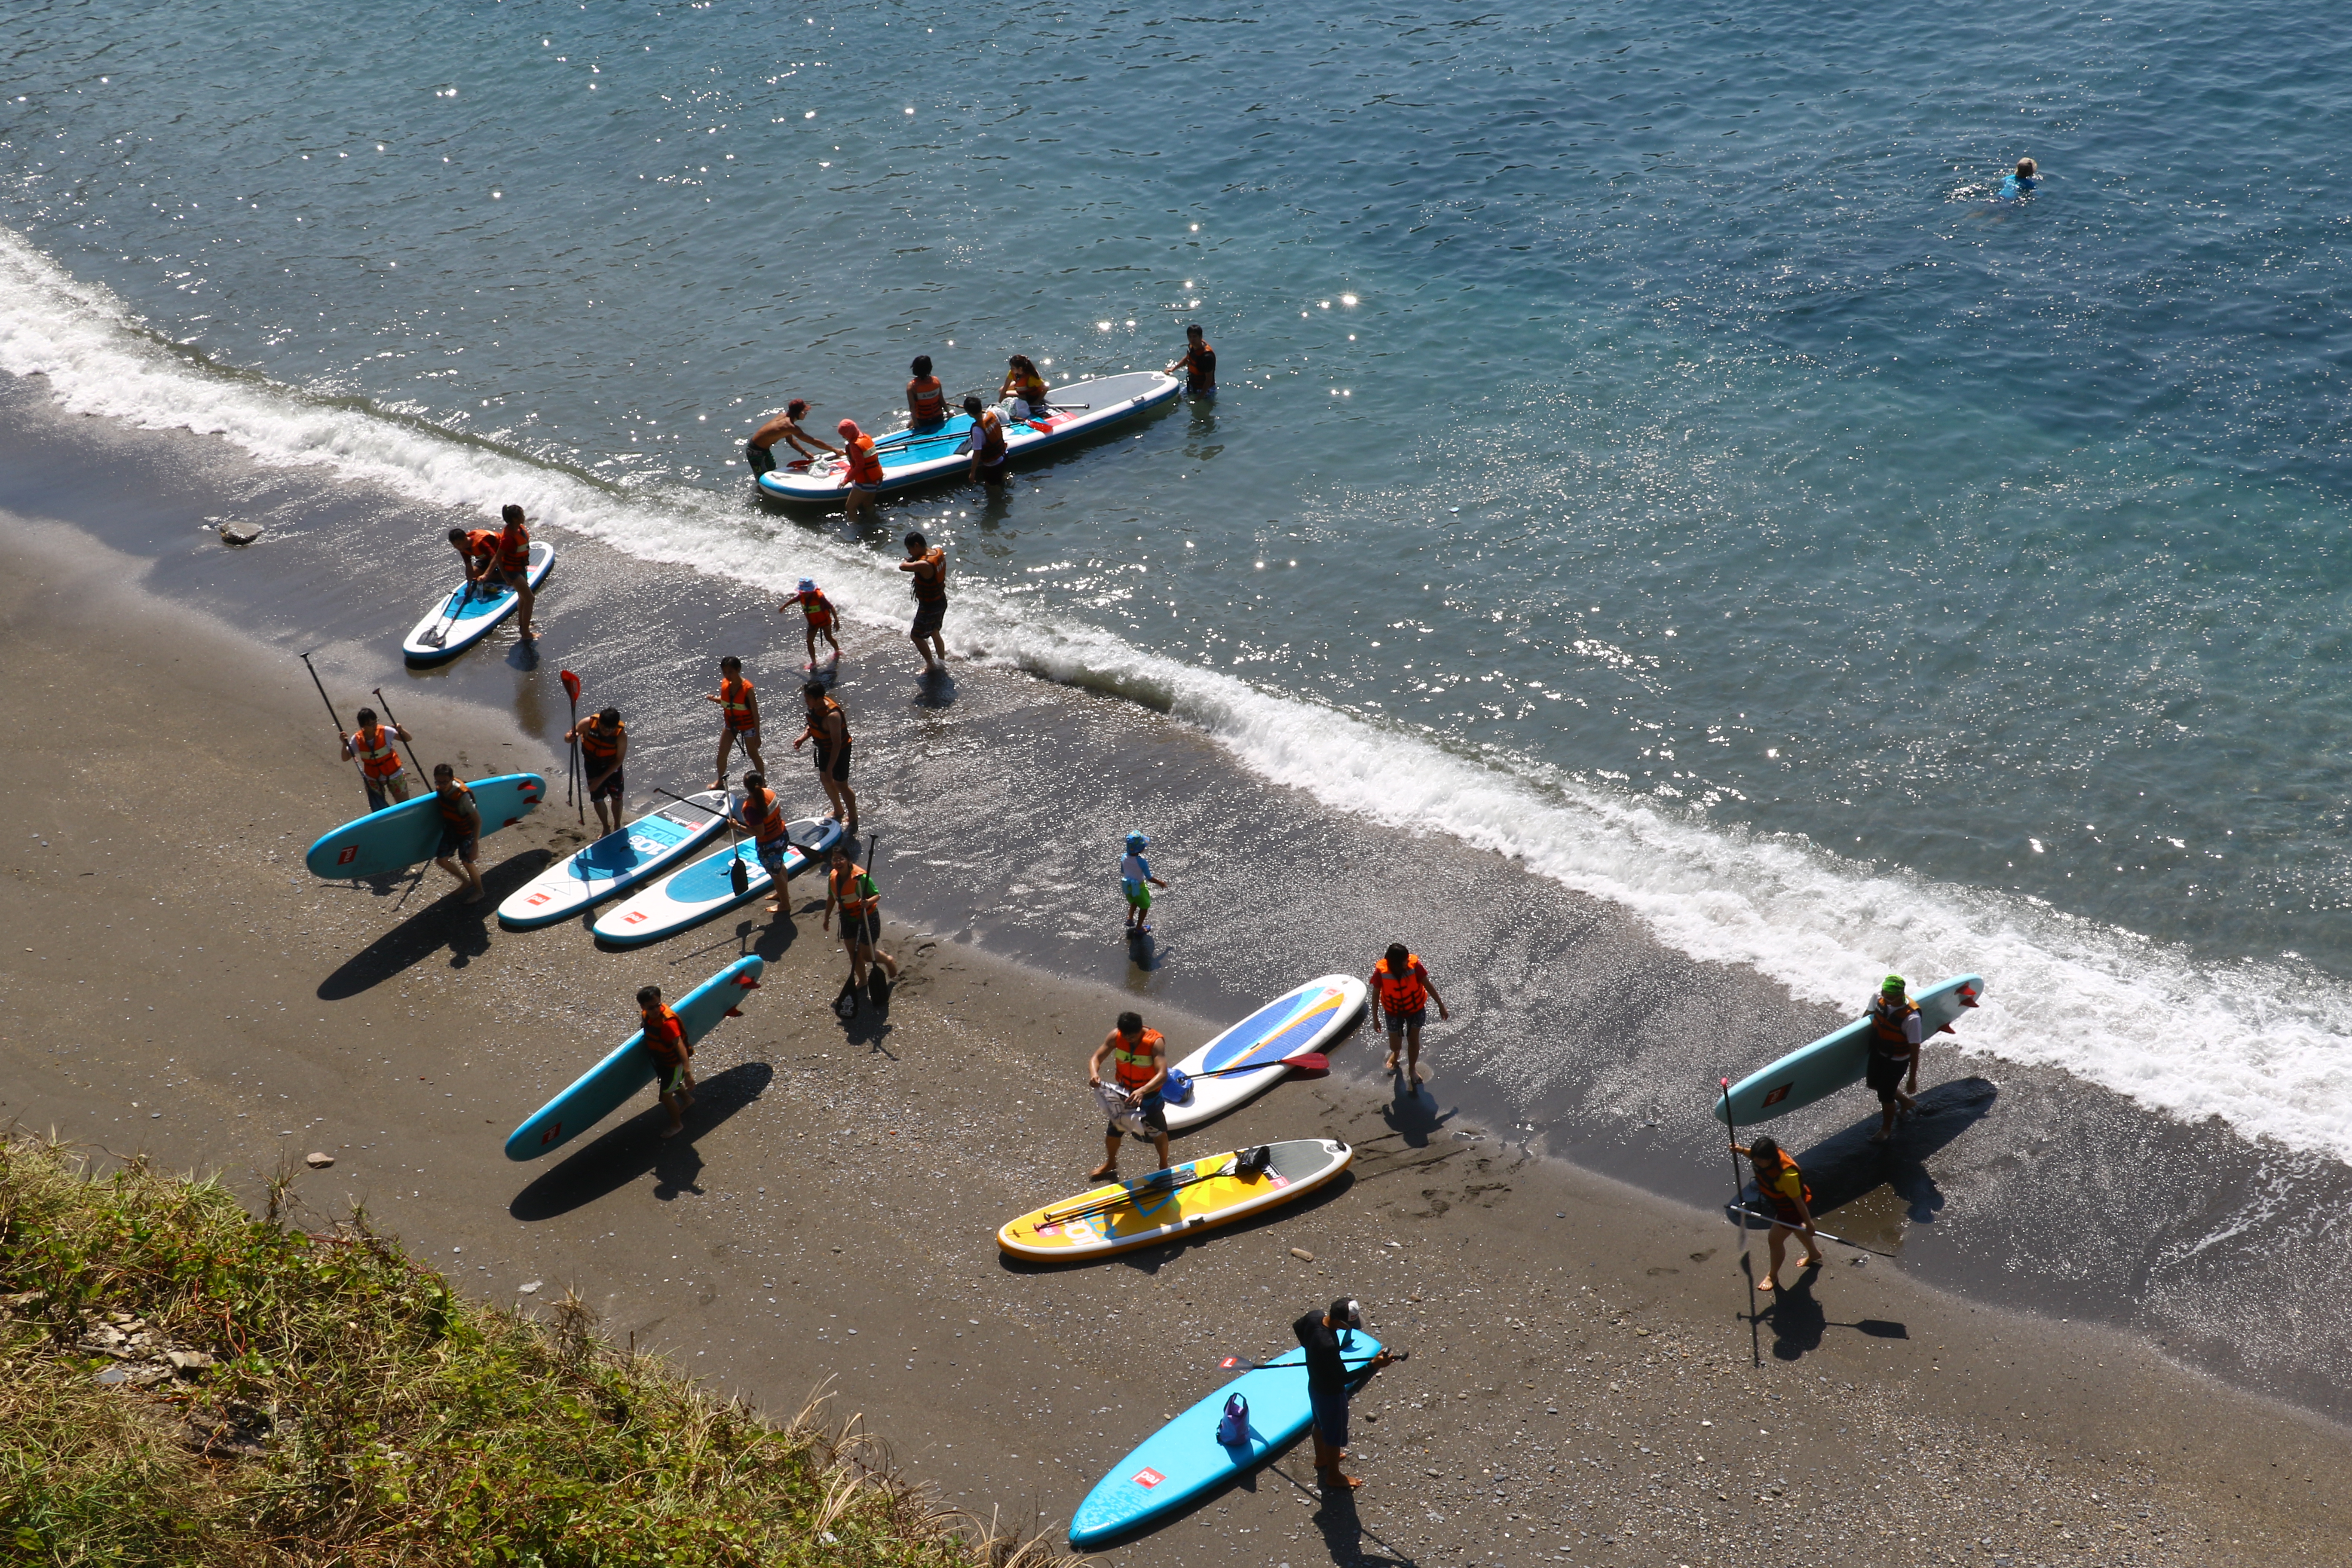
pixel 399 836
pixel 611 1083
pixel 703 890
pixel 1838 1060
pixel 461 618
pixel 1183 1458
pixel 615 863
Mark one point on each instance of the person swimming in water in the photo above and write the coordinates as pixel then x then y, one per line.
pixel 2018 185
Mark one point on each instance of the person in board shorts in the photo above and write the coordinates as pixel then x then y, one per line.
pixel 760 813
pixel 1400 983
pixel 1199 365
pixel 1894 1039
pixel 604 744
pixel 820 613
pixel 739 706
pixel 927 564
pixel 850 889
pixel 861 472
pixel 927 396
pixel 371 746
pixel 828 726
pixel 760 450
pixel 1139 1058
pixel 1782 1186
pixel 673 1055
pixel 512 568
pixel 1136 881
pixel 461 831
pixel 1329 1385
pixel 987 442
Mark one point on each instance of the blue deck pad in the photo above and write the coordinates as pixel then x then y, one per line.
pixel 624 849
pixel 1251 1032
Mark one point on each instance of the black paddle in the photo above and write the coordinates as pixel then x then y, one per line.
pixel 1243 1362
pixel 396 730
pixel 342 736
pixel 1747 1267
pixel 1147 1187
pixel 439 635
pixel 877 983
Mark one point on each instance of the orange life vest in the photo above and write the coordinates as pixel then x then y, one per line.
pixel 735 701
pixel 1886 1024
pixel 865 468
pixel 932 584
pixel 992 437
pixel 481 544
pixel 1031 389
pixel 816 607
pixel 1200 363
pixel 600 745
pixel 816 722
pixel 928 407
pixel 1136 1063
pixel 461 812
pixel 514 547
pixel 1769 1182
pixel 666 1036
pixel 860 884
pixel 770 824
pixel 379 758
pixel 1404 992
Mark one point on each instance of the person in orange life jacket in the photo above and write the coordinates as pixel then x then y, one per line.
pixel 849 887
pixel 987 442
pixel 741 706
pixel 673 1057
pixel 1140 1059
pixel 1328 1377
pixel 828 726
pixel 479 549
pixel 1402 986
pixel 811 602
pixel 861 472
pixel 1894 1039
pixel 759 451
pixel 604 747
pixel 1023 395
pixel 1199 365
pixel 928 563
pixel 371 745
pixel 926 398
pixel 760 813
pixel 461 831
pixel 512 568
pixel 1783 1186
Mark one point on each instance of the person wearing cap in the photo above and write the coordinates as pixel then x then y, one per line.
pixel 927 564
pixel 987 444
pixel 785 427
pixel 673 1053
pixel 1135 880
pixel 812 603
pixel 861 472
pixel 1139 1060
pixel 371 746
pixel 1324 1336
pixel 604 744
pixel 1894 1038
pixel 828 726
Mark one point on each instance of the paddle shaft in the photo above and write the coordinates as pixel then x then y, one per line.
pixel 1304 1061
pixel 396 730
pixel 683 801
pixel 342 736
pixel 1740 1209
pixel 580 796
pixel 1129 1195
pixel 1747 1270
pixel 1244 1361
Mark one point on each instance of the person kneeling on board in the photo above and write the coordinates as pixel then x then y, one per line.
pixel 604 744
pixel 461 831
pixel 849 888
pixel 379 759
pixel 479 549
pixel 1402 982
pixel 828 726
pixel 761 815
pixel 673 1058
pixel 1023 395
pixel 1328 1377
pixel 1783 1186
pixel 1894 1054
pixel 1140 1061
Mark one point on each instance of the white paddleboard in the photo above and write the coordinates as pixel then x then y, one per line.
pixel 700 890
pixel 1307 1018
pixel 615 863
pixel 460 619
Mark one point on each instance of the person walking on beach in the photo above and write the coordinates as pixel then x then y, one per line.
pixel 987 444
pixel 1895 1040
pixel 820 613
pixel 604 744
pixel 371 745
pixel 673 1057
pixel 1329 1378
pixel 1139 1060
pixel 861 472
pixel 850 889
pixel 1199 365
pixel 1400 981
pixel 513 568
pixel 927 398
pixel 461 831
pixel 740 708
pixel 828 726
pixel 760 813
pixel 760 450
pixel 927 562
pixel 1782 1186
pixel 1135 880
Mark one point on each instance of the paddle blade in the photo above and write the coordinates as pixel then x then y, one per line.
pixel 736 877
pixel 571 684
pixel 1307 1064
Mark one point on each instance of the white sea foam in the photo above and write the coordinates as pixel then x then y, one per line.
pixel 2250 1042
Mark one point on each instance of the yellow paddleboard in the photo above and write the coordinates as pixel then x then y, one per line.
pixel 1215 1189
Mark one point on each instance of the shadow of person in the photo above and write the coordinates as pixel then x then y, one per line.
pixel 935 687
pixel 1342 1528
pixel 1412 1115
pixel 1796 1317
pixel 1846 1165
pixel 463 929
pixel 636 1148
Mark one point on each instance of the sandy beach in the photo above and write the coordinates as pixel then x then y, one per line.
pixel 1587 1384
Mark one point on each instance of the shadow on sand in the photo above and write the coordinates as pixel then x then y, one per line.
pixel 636 1147
pixel 1152 1259
pixel 463 929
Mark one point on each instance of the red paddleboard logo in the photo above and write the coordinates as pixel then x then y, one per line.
pixel 633 917
pixel 539 898
pixel 1148 1478
pixel 549 1136
pixel 351 853
pixel 1780 1094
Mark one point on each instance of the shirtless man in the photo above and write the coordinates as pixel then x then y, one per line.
pixel 785 427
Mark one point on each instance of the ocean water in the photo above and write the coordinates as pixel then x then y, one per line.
pixel 1648 446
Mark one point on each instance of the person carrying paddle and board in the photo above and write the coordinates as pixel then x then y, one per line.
pixel 987 444
pixel 738 705
pixel 1135 880
pixel 1894 1037
pixel 1023 395
pixel 1400 981
pixel 461 831
pixel 512 567
pixel 820 616
pixel 861 472
pixel 371 746
pixel 673 1055
pixel 760 450
pixel 604 743
pixel 1199 365
pixel 828 726
pixel 927 396
pixel 760 813
pixel 927 564
pixel 1782 1186
pixel 849 888
pixel 1328 1380
pixel 1139 1058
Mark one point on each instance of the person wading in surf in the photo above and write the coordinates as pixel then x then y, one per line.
pixel 379 759
pixel 927 564
pixel 1894 1038
pixel 861 473
pixel 1401 983
pixel 740 707
pixel 786 428
pixel 1782 1186
pixel 461 831
pixel 673 1057
pixel 1138 1058
pixel 512 568
pixel 987 444
pixel 812 603
pixel 1199 365
pixel 604 743
pixel 828 726
pixel 849 888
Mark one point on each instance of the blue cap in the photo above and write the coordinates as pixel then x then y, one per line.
pixel 808 585
pixel 1136 841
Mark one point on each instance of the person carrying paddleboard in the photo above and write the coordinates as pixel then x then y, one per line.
pixel 1199 365
pixel 1894 1038
pixel 673 1055
pixel 927 564
pixel 371 746
pixel 828 726
pixel 987 444
pixel 461 831
pixel 760 450
pixel 861 472
pixel 1135 880
pixel 512 567
pixel 820 616
pixel 1400 981
pixel 1023 395
pixel 1327 1379
pixel 738 705
pixel 927 398
pixel 759 813
pixel 850 889
pixel 1783 1186
pixel 604 743
pixel 1139 1058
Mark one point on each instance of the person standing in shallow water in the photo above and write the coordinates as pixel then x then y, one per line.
pixel 759 451
pixel 1402 987
pixel 927 564
pixel 1199 365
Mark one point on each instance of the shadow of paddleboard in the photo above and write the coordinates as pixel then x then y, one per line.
pixel 1846 1165
pixel 634 1147
pixel 445 923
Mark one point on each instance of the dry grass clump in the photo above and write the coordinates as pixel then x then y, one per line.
pixel 358 1412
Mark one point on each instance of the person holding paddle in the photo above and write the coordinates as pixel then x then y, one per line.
pixel 604 744
pixel 371 746
pixel 461 831
pixel 740 705
pixel 1782 1186
pixel 1327 1379
pixel 761 815
pixel 759 451
pixel 673 1055
pixel 828 726
pixel 929 565
pixel 1138 1058
pixel 850 887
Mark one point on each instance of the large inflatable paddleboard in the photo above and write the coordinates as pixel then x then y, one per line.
pixel 1079 409
pixel 1216 1189
pixel 464 617
pixel 702 890
pixel 615 863
pixel 399 836
pixel 606 1087
pixel 1837 1060
pixel 1183 1458
pixel 1307 1019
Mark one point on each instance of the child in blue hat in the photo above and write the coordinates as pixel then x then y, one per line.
pixel 1135 880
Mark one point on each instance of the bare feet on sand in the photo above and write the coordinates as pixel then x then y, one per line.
pixel 1389 1066
pixel 1103 1173
pixel 1335 1481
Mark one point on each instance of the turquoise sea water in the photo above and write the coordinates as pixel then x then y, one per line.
pixel 1644 422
